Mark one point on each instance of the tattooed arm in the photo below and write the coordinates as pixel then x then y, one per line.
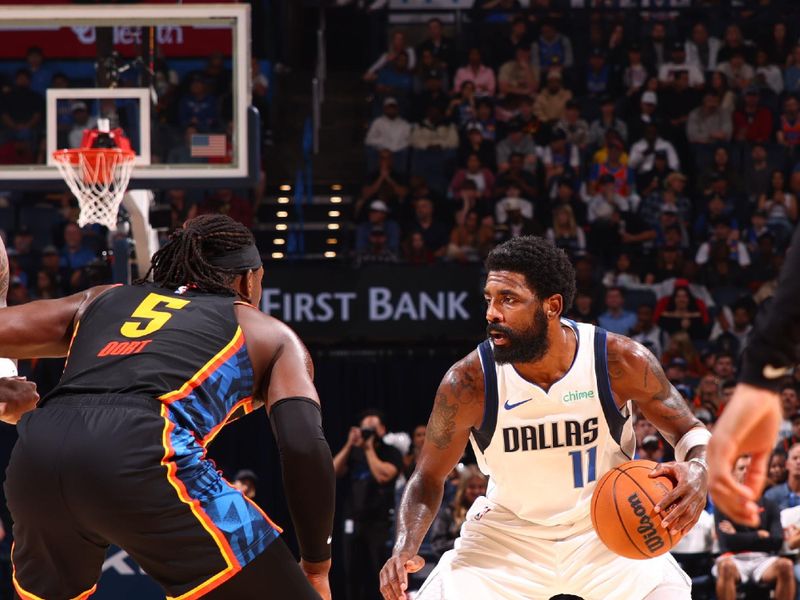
pixel 457 409
pixel 637 375
pixel 4 273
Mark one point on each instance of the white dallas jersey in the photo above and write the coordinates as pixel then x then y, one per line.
pixel 545 450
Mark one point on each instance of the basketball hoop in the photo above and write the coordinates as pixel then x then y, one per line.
pixel 98 177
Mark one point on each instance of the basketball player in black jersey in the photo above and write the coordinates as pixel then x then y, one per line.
pixel 116 453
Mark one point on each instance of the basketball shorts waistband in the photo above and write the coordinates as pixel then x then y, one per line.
pixel 104 400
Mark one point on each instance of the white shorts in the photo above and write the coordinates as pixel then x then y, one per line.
pixel 500 556
pixel 751 565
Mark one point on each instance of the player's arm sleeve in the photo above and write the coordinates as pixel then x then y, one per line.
pixel 308 477
pixel 776 336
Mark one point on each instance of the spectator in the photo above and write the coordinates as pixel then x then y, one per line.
pixel 385 184
pixel 526 119
pixel 22 109
pixel 776 473
pixel 789 406
pixel 389 131
pixel 779 45
pixel 371 467
pixel 751 554
pixel 608 121
pixel 476 172
pixel 724 366
pixel 740 74
pixel 513 200
pixel 784 444
pixel 397 47
pixel 75 255
pixel 623 274
pixel 646 332
pixel 613 167
pixel 724 233
pixel 517 78
pixel 653 178
pixel 787 495
pixel 447 526
pixel 768 75
pixel 734 42
pixel 434 133
pixel 780 206
pixel 635 74
pixel 463 109
pixel 758 174
pixel 435 234
pixel 225 202
pixel 505 46
pixel 516 175
pixel 708 123
pixel 565 233
pixel 516 224
pixel 439 45
pixel 552 50
pixel 643 151
pixel 468 200
pixel 652 448
pixel 605 201
pixel 720 269
pixel 721 85
pixel 791 76
pixel 475 143
pixel 559 157
pixel 80 122
pixel 656 47
pixel 575 128
pixel 198 108
pixel 683 313
pixel 671 195
pixel 411 457
pixel 470 241
pixel 475 71
pixel 245 481
pixel 377 250
pixel 615 318
pixel 789 126
pixel 752 122
pixel 669 220
pixel 416 252
pixel 702 49
pixel 486 119
pixel 667 74
pixel 46 286
pixel 378 216
pixel 720 171
pixel 395 80
pixel 41 75
pixel 432 93
pixel 551 102
pixel 597 81
pixel 583 309
pixel 517 142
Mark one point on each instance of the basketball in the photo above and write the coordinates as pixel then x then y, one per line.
pixel 622 511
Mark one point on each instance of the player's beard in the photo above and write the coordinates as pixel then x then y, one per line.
pixel 528 345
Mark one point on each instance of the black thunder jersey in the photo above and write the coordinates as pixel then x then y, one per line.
pixel 183 348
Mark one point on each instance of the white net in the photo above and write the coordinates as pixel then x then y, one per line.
pixel 98 178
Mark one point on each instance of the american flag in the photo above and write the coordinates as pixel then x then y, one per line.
pixel 208 145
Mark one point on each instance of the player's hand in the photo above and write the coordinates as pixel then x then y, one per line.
pixel 317 575
pixel 17 396
pixel 394 575
pixel 749 425
pixel 683 505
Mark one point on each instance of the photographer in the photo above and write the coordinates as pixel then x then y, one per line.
pixel 371 467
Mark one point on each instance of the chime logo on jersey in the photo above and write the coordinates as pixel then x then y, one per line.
pixel 544 436
pixel 570 397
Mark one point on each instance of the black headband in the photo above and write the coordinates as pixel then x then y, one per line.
pixel 243 259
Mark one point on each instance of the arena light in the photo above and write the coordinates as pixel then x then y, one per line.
pixel 277 255
pixel 330 254
pixel 334 213
pixel 282 214
pixel 279 241
pixel 336 199
pixel 285 187
pixel 281 227
pixel 331 241
pixel 337 187
pixel 333 226
pixel 283 200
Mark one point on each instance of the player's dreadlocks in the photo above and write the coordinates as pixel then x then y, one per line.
pixel 184 260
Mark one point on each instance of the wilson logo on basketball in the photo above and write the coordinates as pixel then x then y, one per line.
pixel 646 528
pixel 122 348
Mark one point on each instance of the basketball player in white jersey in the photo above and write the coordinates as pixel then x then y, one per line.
pixel 17 396
pixel 546 404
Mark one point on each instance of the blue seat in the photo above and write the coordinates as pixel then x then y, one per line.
pixel 635 298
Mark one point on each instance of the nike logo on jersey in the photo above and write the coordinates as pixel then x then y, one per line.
pixel 509 406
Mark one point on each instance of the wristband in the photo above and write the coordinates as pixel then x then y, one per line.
pixel 697 436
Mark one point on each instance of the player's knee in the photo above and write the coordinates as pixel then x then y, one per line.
pixel 727 570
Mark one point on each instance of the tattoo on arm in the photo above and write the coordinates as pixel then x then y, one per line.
pixel 674 407
pixel 442 423
pixel 4 273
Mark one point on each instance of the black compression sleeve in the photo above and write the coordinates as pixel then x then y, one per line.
pixel 308 476
pixel 774 341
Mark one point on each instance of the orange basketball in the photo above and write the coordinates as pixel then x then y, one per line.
pixel 622 511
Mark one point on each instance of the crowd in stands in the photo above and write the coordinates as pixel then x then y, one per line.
pixel 660 152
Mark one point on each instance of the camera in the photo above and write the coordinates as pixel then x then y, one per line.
pixel 366 433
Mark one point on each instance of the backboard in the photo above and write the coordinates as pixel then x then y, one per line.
pixel 175 77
